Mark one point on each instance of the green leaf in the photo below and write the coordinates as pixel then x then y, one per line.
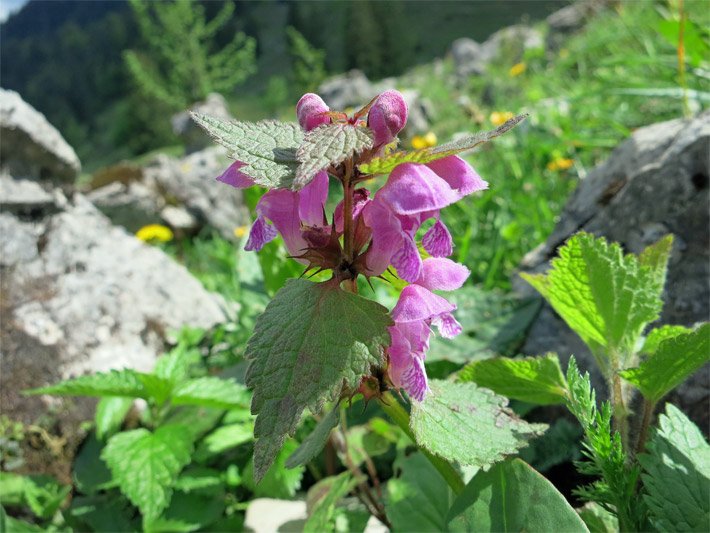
pixel 311 342
pixel 658 335
pixel 605 297
pixel 387 163
pixel 464 423
pixel 104 512
pixel 656 257
pixel 268 148
pixel 89 472
pixel 42 494
pixel 13 525
pixel 110 413
pixel 597 519
pixel 211 391
pixel 674 360
pixel 279 481
pixel 224 438
pixel 128 383
pixel 676 475
pixel 559 444
pixel 199 479
pixel 175 366
pixel 419 499
pixel 146 465
pixel 329 144
pixel 313 443
pixel 512 496
pixel 322 497
pixel 188 512
pixel 537 380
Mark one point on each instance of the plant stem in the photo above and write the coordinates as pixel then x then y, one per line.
pixel 348 211
pixel 400 416
pixel 621 423
pixel 648 408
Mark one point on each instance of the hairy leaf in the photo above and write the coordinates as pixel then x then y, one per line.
pixel 537 380
pixel 656 258
pixel 464 423
pixel 512 496
pixel 146 465
pixel 674 360
pixel 211 391
pixel 128 383
pixel 312 340
pixel 267 148
pixel 329 144
pixel 313 443
pixel 419 499
pixel 387 163
pixel 110 413
pixel 323 496
pixel 607 298
pixel 658 335
pixel 676 475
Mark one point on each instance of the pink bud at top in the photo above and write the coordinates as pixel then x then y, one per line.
pixel 311 110
pixel 387 117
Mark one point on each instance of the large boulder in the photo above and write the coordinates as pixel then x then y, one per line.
pixel 653 184
pixel 81 295
pixel 31 147
pixel 179 192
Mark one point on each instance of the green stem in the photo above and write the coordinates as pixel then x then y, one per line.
pixel 648 408
pixel 400 416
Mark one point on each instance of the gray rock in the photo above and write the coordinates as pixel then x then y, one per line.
pixel 570 19
pixel 190 133
pixel 181 193
pixel 469 57
pixel 81 295
pixel 654 183
pixel 24 197
pixel 31 147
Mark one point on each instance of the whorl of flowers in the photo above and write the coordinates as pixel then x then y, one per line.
pixel 369 233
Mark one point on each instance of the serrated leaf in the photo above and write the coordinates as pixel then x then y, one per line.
pixel 314 443
pixel 278 481
pixel 676 475
pixel 673 361
pixel 146 465
pixel 512 496
pixel 656 257
pixel 387 163
pixel 329 144
pixel 128 383
pixel 536 380
pixel 322 509
pixel 658 335
pixel 467 424
pixel 211 391
pixel 267 148
pixel 419 499
pixel 110 413
pixel 224 438
pixel 175 366
pixel 312 340
pixel 606 297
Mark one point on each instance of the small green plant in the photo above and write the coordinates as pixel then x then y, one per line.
pixel 180 65
pixel 308 62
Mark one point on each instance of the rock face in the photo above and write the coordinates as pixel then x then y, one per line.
pixel 190 133
pixel 31 147
pixel 81 295
pixel 653 184
pixel 181 193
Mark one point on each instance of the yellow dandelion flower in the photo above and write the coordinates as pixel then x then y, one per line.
pixel 517 69
pixel 561 163
pixel 499 117
pixel 240 231
pixel 424 141
pixel 155 232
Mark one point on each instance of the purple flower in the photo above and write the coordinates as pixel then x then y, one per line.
pixel 312 111
pixel 417 309
pixel 387 117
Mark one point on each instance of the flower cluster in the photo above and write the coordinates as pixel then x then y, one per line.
pixel 370 233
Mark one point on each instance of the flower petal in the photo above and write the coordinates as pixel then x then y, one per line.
pixel 447 325
pixel 407 260
pixel 437 241
pixel 458 174
pixel 417 303
pixel 406 368
pixel 232 176
pixel 387 116
pixel 281 207
pixel 413 188
pixel 386 237
pixel 260 234
pixel 311 200
pixel 311 110
pixel 441 274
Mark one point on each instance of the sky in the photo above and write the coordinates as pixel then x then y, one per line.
pixel 8 7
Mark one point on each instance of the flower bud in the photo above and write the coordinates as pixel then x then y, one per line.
pixel 387 117
pixel 311 110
